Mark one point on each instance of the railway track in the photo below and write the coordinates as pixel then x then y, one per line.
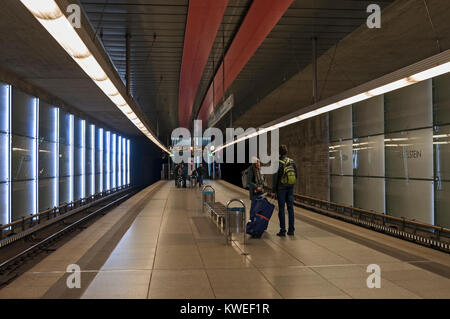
pixel 21 251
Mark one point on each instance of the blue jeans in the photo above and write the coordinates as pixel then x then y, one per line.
pixel 200 180
pixel 286 196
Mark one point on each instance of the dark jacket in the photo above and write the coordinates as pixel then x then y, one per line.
pixel 251 182
pixel 177 171
pixel 184 170
pixel 276 180
pixel 201 171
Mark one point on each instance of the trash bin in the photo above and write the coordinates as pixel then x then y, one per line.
pixel 235 220
pixel 208 196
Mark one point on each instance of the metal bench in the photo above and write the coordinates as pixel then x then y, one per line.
pixel 217 212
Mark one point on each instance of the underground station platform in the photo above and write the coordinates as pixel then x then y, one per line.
pixel 114 112
pixel 166 243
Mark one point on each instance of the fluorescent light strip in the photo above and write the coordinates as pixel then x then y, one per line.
pixel 107 161
pixel 71 154
pixel 83 158
pixel 36 156
pixel 55 22
pixel 92 186
pixel 10 154
pixel 113 161
pixel 128 162
pixel 56 159
pixel 419 77
pixel 124 161
pixel 119 161
pixel 101 147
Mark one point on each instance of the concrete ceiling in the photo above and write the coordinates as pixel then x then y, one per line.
pixel 288 47
pixel 157 29
pixel 276 80
pixel 408 35
pixel 29 53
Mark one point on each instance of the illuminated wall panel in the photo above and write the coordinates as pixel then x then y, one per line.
pixel 341 124
pixel 24 154
pixel 107 161
pixel 48 156
pixel 442 193
pixel 368 156
pixel 90 160
pixel 114 161
pixel 409 108
pixel 80 159
pixel 99 145
pixel 369 193
pixel 128 162
pixel 410 154
pixel 66 157
pixel 368 117
pixel 412 199
pixel 124 161
pixel 341 158
pixel 5 153
pixel 119 161
pixel 342 190
pixel 441 141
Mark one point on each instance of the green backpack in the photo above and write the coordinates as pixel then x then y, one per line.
pixel 288 177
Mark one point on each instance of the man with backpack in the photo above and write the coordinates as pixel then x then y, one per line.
pixel 283 183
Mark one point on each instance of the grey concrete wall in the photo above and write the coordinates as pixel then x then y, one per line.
pixel 307 144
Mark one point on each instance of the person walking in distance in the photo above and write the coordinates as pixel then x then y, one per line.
pixel 283 187
pixel 201 175
pixel 184 173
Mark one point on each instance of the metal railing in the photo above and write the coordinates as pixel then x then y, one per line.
pixel 429 235
pixel 10 268
pixel 27 223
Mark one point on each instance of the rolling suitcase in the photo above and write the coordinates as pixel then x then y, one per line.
pixel 260 213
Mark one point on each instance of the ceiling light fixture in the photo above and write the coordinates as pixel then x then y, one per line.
pixel 430 73
pixel 55 22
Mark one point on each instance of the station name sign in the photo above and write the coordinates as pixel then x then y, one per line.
pixel 220 112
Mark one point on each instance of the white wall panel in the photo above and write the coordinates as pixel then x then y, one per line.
pixel 411 199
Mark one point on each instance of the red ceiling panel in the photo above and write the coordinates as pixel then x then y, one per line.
pixel 262 16
pixel 204 18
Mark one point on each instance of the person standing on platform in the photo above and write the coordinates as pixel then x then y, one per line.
pixel 283 183
pixel 255 179
pixel 184 172
pixel 201 175
pixel 176 173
